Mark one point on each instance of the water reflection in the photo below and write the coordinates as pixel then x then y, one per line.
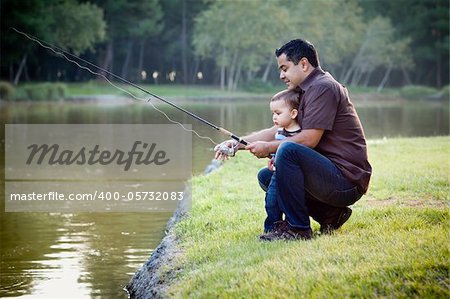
pixel 417 119
pixel 60 269
pixel 84 255
pixel 95 254
pixel 379 120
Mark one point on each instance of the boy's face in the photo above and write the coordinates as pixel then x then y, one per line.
pixel 290 73
pixel 282 114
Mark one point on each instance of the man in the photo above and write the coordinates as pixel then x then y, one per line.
pixel 324 168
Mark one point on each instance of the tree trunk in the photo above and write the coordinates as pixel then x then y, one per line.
pixel 237 77
pixel 357 58
pixel 385 78
pixel 193 78
pixel 342 71
pixel 126 63
pixel 222 72
pixel 359 77
pixel 141 56
pixel 438 69
pixel 26 73
pixel 349 72
pixel 267 70
pixel 184 66
pixel 222 77
pixel 20 70
pixel 367 79
pixel 406 77
pixel 232 72
pixel 11 72
pixel 356 75
pixel 107 61
pixel 249 75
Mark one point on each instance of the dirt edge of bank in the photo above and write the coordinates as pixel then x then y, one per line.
pixel 151 279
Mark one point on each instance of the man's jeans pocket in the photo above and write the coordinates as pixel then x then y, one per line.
pixel 344 198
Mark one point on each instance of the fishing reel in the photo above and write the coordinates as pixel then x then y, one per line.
pixel 228 151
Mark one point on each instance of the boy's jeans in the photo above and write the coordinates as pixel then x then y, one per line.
pixel 267 181
pixel 307 184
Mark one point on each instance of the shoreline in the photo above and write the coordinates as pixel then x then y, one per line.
pixel 113 99
pixel 149 280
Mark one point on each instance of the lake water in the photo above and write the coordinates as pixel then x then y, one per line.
pixel 90 255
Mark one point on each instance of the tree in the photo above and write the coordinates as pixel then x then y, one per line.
pixel 426 23
pixel 178 54
pixel 68 24
pixel 334 27
pixel 393 54
pixel 74 26
pixel 230 41
pixel 239 35
pixel 129 22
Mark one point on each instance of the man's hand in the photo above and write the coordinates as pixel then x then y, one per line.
pixel 260 149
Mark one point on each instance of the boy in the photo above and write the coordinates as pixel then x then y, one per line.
pixel 284 106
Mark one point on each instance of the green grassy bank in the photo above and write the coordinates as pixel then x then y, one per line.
pixel 51 91
pixel 394 245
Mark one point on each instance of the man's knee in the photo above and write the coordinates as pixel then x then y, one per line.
pixel 287 149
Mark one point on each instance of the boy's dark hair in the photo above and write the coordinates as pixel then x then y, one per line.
pixel 296 49
pixel 290 97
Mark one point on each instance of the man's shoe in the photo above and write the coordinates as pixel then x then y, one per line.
pixel 341 218
pixel 283 231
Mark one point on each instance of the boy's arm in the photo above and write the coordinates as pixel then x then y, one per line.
pixel 263 135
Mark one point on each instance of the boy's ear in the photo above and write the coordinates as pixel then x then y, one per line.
pixel 294 113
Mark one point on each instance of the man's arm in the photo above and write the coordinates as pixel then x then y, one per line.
pixel 308 137
pixel 263 135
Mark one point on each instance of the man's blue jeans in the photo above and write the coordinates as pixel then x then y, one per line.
pixel 308 184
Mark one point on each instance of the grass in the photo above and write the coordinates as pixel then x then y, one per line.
pixel 251 90
pixel 395 244
pixel 104 88
pixel 410 169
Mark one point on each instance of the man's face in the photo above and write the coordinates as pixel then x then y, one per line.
pixel 290 73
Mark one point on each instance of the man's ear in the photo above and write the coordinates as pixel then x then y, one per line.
pixel 294 113
pixel 305 64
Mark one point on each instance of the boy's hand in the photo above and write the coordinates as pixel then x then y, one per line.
pixel 271 163
pixel 221 156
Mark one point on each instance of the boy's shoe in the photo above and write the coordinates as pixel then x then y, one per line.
pixel 337 222
pixel 283 231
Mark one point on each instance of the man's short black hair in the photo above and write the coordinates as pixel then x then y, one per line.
pixel 296 49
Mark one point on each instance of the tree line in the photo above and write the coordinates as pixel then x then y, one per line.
pixel 227 43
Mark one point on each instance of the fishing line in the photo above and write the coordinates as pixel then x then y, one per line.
pixel 63 53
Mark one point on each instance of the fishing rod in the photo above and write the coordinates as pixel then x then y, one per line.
pixel 224 149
